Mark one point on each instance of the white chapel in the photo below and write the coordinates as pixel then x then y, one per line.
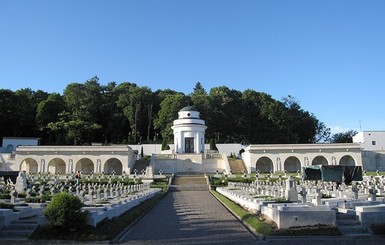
pixel 189 131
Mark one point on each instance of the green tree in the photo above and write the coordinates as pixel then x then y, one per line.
pixel 48 112
pixel 83 103
pixel 344 137
pixel 169 112
pixel 8 118
pixel 137 107
pixel 64 212
pixel 213 146
pixel 224 107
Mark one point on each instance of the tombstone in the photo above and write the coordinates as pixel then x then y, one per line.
pixel 105 192
pixel 52 190
pixel 355 191
pixel 317 198
pixel 91 195
pixel 13 195
pixel 21 182
pixel 303 193
pixel 98 194
pixel 41 190
pixel 373 194
pixel 291 193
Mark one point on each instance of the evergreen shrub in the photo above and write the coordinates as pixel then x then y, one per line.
pixel 63 212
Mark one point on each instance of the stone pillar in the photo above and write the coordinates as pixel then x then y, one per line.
pixel 70 166
pixel 42 166
pixel 98 166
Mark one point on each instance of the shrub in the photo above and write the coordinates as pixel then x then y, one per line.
pixel 63 212
pixel 6 205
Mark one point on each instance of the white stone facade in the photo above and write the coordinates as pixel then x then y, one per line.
pixel 189 132
pixel 292 157
pixel 69 159
pixel 373 149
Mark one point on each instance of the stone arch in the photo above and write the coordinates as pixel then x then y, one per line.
pixel 264 165
pixel 292 164
pixel 57 165
pixel 9 148
pixel 320 160
pixel 29 165
pixel 85 165
pixel 113 164
pixel 347 160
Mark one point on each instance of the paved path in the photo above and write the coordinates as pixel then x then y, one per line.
pixel 189 217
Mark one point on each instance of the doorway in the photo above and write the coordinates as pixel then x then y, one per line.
pixel 189 145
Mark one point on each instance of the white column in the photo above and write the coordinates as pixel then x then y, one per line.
pixel 197 144
pixel 181 142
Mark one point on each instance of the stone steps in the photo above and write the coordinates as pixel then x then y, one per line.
pixel 189 183
pixel 20 229
pixel 140 165
pixel 237 166
pixel 349 225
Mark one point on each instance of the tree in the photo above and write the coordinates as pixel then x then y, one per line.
pixel 48 112
pixel 165 145
pixel 169 112
pixel 137 107
pixel 83 103
pixel 64 212
pixel 224 107
pixel 213 146
pixel 344 137
pixel 8 118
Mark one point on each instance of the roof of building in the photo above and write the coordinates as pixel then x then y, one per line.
pixel 189 108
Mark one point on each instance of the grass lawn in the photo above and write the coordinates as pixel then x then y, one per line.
pixel 106 230
pixel 266 227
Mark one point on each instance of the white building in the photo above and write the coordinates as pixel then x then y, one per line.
pixel 189 131
pixel 373 149
pixel 292 157
pixel 10 143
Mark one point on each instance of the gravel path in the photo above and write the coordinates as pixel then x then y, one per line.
pixel 189 217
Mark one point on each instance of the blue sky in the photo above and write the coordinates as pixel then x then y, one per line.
pixel 329 54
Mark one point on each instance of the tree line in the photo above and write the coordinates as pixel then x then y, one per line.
pixel 130 114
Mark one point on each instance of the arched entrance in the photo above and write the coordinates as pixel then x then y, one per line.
pixel 320 160
pixel 347 161
pixel 113 165
pixel 29 165
pixel 264 165
pixel 57 165
pixel 292 165
pixel 85 165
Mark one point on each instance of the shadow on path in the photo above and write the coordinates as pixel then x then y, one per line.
pixel 189 217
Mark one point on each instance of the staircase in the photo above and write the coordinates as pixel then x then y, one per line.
pixel 20 229
pixel 349 225
pixel 237 166
pixel 140 165
pixel 189 183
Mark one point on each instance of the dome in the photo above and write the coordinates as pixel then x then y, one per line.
pixel 189 108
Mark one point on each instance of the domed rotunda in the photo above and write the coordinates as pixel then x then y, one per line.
pixel 189 131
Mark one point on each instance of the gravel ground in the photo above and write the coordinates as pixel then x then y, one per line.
pixel 189 217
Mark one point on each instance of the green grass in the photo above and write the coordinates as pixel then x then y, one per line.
pixel 252 220
pixel 106 230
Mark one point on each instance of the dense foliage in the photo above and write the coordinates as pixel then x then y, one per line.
pixel 127 113
pixel 64 212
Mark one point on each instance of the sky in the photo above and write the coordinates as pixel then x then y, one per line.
pixel 329 55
